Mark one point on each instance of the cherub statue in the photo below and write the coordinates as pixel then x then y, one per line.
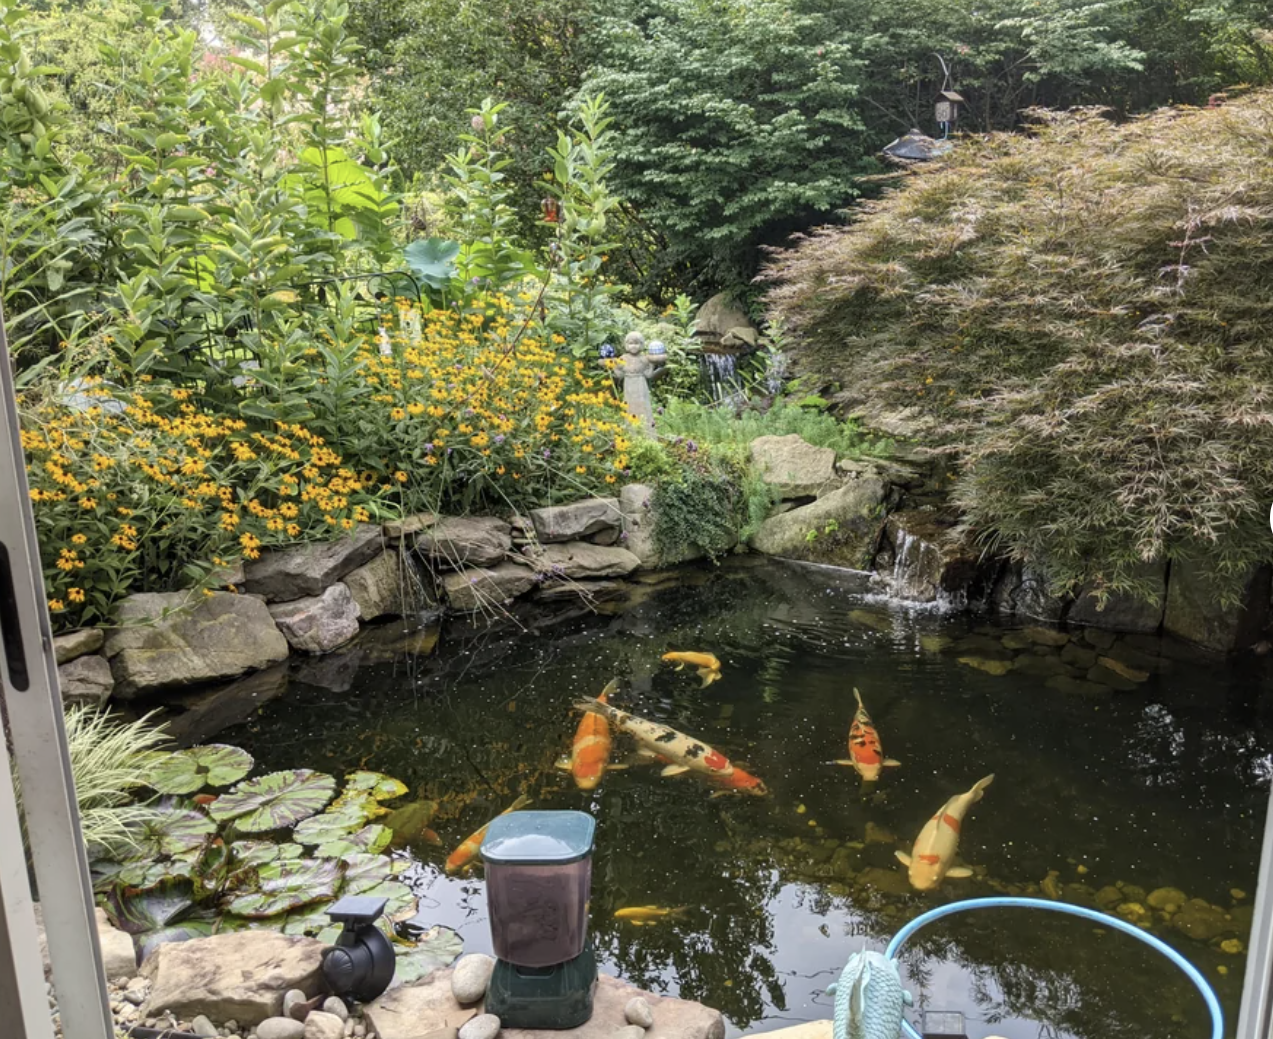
pixel 639 368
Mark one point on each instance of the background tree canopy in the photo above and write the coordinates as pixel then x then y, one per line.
pixel 1083 314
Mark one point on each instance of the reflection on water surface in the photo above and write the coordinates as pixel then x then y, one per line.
pixel 1162 787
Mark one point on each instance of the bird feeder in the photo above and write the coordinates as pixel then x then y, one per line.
pixel 946 110
pixel 538 880
pixel 551 209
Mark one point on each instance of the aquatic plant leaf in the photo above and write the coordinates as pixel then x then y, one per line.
pixel 189 771
pixel 331 825
pixel 364 871
pixel 138 912
pixel 169 832
pixel 359 800
pixel 254 853
pixel 438 947
pixel 401 903
pixel 380 786
pixel 283 886
pixel 182 932
pixel 371 839
pixel 145 875
pixel 314 922
pixel 273 801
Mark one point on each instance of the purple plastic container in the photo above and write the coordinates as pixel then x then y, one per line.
pixel 538 880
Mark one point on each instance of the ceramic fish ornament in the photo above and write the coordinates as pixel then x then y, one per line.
pixel 685 753
pixel 930 861
pixel 467 852
pixel 865 753
pixel 708 667
pixel 590 752
pixel 869 998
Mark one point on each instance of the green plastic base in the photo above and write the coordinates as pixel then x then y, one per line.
pixel 543 997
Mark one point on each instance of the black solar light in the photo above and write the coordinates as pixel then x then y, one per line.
pixel 360 965
pixel 944 1024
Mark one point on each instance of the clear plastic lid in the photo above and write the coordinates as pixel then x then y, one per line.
pixel 539 839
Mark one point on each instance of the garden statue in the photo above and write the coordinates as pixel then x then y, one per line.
pixel 638 369
pixel 868 998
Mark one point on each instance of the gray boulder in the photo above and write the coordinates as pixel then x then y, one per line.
pixel 636 502
pixel 463 541
pixel 1123 612
pixel 845 526
pixel 576 521
pixel 222 636
pixel 409 526
pixel 720 314
pixel 1192 613
pixel 86 680
pixel 1022 590
pixel 319 623
pixel 293 573
pixel 793 467
pixel 582 559
pixel 240 976
pixel 473 589
pixel 77 643
pixel 386 587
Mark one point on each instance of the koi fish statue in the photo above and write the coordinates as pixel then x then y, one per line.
pixel 590 753
pixel 931 859
pixel 708 666
pixel 684 753
pixel 869 998
pixel 866 755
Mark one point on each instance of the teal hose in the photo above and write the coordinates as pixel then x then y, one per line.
pixel 1191 972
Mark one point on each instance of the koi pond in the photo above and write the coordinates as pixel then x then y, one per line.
pixel 1148 803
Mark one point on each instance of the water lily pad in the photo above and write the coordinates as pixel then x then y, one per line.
pixel 400 900
pixel 360 801
pixel 145 875
pixel 285 885
pixel 380 786
pixel 370 839
pixel 254 853
pixel 275 800
pixel 364 872
pixel 138 912
pixel 314 922
pixel 330 825
pixel 170 832
pixel 189 771
pixel 438 947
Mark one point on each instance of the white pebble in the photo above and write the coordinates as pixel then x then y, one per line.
pixel 484 1026
pixel 336 1005
pixel 638 1013
pixel 290 998
pixel 280 1028
pixel 202 1026
pixel 629 1032
pixel 471 977
pixel 321 1025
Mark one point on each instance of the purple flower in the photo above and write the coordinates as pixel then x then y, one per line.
pixel 499 438
pixel 449 450
pixel 623 536
pixel 428 448
pixel 691 447
pixel 547 453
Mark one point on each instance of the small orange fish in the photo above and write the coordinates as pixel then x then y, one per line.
pixel 467 852
pixel 431 836
pixel 866 755
pixel 590 752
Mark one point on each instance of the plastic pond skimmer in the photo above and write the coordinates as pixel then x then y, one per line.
pixel 1191 972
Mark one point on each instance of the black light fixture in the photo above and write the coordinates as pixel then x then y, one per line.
pixel 360 965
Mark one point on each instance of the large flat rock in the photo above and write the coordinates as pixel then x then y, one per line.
pixel 1194 615
pixel 636 502
pixel 478 588
pixel 456 542
pixel 77 643
pixel 86 680
pixel 582 559
pixel 417 1011
pixel 792 467
pixel 240 976
pixel 577 520
pixel 840 528
pixel 318 623
pixel 222 636
pixel 293 573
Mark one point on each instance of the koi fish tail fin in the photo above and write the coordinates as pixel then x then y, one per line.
pixel 590 703
pixel 858 696
pixel 678 912
pixel 708 676
pixel 979 788
pixel 522 801
pixel 611 688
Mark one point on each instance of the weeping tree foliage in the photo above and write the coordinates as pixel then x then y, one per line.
pixel 1084 315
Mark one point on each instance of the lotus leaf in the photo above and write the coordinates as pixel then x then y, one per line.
pixel 273 801
pixel 371 839
pixel 287 885
pixel 189 771
pixel 139 912
pixel 438 947
pixel 170 832
pixel 431 260
pixel 380 786
pixel 330 825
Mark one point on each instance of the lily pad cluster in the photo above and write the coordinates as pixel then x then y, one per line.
pixel 277 849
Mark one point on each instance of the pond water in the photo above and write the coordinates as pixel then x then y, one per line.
pixel 1161 787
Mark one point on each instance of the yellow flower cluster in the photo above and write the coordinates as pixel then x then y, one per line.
pixel 143 491
pixel 483 396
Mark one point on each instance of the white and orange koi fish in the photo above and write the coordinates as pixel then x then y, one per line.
pixel 684 753
pixel 929 862
pixel 865 752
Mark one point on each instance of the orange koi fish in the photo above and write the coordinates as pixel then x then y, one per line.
pixel 685 753
pixel 930 860
pixel 706 663
pixel 590 752
pixel 467 852
pixel 865 753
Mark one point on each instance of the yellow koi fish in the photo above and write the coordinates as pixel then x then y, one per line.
pixel 929 862
pixel 639 916
pixel 706 663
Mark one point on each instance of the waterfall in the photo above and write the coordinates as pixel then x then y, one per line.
pixel 926 572
pixel 720 373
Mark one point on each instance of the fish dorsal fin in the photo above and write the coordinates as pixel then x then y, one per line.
pixel 857 998
pixel 611 688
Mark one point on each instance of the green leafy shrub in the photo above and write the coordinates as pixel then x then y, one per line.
pixel 709 500
pixel 720 426
pixel 1082 313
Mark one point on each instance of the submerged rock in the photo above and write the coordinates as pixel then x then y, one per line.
pixel 1046 636
pixel 1169 899
pixel 1077 686
pixel 990 667
pixel 1041 666
pixel 1104 676
pixel 320 623
pixel 310 569
pixel 792 467
pixel 1201 921
pixel 1078 656
pixel 220 637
